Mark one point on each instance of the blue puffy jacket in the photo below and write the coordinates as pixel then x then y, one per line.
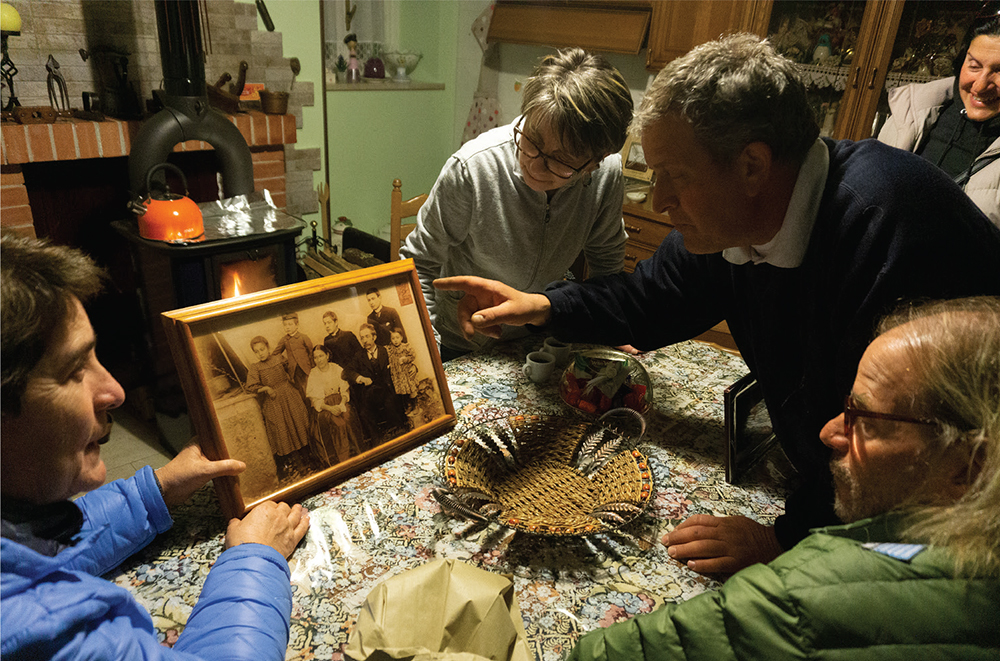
pixel 59 608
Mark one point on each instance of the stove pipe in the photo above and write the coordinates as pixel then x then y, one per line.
pixel 187 114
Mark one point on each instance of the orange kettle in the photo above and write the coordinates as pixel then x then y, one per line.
pixel 166 216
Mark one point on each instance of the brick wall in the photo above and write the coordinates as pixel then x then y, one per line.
pixel 15 212
pixel 62 27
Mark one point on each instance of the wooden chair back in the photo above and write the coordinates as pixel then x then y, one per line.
pixel 400 210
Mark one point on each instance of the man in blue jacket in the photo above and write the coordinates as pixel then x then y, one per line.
pixel 800 244
pixel 56 399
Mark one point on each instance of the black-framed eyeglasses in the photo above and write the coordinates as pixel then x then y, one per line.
pixel 852 412
pixel 562 170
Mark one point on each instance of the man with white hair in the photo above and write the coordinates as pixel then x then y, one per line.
pixel 915 573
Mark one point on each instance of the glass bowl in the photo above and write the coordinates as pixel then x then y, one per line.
pixel 396 60
pixel 599 380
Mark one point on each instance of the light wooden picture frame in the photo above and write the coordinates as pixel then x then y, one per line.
pixel 257 392
pixel 634 161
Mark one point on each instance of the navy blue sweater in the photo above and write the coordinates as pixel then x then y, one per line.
pixel 891 228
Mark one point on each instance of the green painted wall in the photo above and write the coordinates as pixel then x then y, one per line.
pixel 377 136
pixel 299 25
pixel 374 136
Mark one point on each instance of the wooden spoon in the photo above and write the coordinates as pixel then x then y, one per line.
pixel 323 191
pixel 296 68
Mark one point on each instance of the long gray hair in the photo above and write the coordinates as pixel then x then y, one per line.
pixel 954 349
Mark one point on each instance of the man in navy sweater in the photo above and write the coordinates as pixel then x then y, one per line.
pixel 800 244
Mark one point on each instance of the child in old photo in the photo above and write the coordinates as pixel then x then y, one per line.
pixel 285 416
pixel 297 347
pixel 402 365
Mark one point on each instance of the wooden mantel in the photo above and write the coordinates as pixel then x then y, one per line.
pixel 77 139
pixel 72 139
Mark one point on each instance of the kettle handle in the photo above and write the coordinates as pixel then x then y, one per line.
pixel 168 166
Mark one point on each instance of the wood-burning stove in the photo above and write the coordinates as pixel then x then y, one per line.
pixel 172 276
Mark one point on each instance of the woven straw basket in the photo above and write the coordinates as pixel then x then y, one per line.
pixel 541 493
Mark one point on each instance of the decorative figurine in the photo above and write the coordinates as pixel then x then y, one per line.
pixel 353 68
pixel 822 52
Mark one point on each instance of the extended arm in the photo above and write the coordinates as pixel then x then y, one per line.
pixel 135 510
pixel 488 304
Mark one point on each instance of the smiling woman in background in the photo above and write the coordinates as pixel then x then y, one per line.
pixel 961 139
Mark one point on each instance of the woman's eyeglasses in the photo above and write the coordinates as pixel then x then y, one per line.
pixel 552 164
pixel 852 412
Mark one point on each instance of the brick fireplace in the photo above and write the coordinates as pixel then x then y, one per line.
pixel 69 181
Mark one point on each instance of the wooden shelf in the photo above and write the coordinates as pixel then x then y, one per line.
pixel 387 86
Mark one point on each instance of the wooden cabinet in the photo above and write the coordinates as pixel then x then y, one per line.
pixel 873 46
pixel 614 26
pixel 680 25
pixel 646 229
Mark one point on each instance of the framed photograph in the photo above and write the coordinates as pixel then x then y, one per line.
pixel 749 435
pixel 634 161
pixel 312 382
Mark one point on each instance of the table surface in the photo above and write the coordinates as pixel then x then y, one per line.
pixel 385 521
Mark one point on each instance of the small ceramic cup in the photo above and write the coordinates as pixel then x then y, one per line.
pixel 538 366
pixel 559 350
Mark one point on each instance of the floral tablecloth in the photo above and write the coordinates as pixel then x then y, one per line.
pixel 385 521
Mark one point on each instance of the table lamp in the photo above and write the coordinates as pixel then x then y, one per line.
pixel 10 24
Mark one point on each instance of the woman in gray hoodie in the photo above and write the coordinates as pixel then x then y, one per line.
pixel 520 202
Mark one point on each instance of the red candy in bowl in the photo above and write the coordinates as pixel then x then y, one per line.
pixel 599 380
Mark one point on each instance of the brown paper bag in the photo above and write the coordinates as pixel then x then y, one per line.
pixel 444 609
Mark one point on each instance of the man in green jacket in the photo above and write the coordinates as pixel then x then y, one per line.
pixel 915 574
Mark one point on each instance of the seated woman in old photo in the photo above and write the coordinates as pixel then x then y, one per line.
pixel 336 428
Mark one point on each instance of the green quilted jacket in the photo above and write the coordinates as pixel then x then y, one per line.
pixel 830 597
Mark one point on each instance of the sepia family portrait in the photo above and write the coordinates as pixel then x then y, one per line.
pixel 303 385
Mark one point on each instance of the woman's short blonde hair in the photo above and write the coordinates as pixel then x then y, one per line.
pixel 584 99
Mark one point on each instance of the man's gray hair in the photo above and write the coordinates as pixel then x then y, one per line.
pixel 734 91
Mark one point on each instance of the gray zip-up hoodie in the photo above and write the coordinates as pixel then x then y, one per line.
pixel 482 219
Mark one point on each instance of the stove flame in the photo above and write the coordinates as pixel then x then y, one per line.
pixel 246 276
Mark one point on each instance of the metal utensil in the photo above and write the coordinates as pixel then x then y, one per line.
pixel 58 96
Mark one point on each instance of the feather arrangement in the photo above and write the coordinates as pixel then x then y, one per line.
pixel 618 430
pixel 500 443
pixel 467 503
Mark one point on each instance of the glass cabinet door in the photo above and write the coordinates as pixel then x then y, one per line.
pixel 822 37
pixel 851 53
